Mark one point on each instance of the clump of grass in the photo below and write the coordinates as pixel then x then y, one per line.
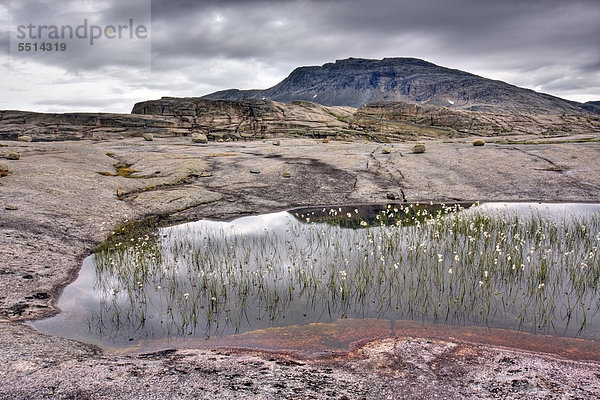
pixel 385 150
pixel 478 142
pixel 127 232
pixel 3 170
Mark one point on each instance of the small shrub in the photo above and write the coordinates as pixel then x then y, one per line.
pixel 478 142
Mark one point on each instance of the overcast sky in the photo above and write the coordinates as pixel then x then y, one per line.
pixel 196 47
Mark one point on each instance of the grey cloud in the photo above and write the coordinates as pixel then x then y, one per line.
pixel 4 28
pixel 466 28
pixel 81 56
pixel 202 46
pixel 59 102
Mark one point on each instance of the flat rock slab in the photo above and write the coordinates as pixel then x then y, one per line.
pixel 65 207
pixel 165 200
pixel 37 366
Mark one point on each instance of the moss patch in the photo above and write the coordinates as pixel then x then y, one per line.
pixel 557 168
pixel 124 170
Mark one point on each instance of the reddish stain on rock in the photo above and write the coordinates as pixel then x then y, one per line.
pixel 326 340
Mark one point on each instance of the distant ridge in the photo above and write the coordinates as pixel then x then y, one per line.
pixel 592 106
pixel 355 82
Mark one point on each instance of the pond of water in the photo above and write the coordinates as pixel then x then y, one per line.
pixel 519 266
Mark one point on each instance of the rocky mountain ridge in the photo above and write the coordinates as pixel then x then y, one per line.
pixel 355 82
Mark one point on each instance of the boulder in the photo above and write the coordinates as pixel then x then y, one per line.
pixel 199 138
pixel 418 148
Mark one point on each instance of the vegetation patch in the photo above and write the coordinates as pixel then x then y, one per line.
pixel 128 233
pixel 124 170
pixel 557 168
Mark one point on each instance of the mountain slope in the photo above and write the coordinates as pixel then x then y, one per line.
pixel 355 82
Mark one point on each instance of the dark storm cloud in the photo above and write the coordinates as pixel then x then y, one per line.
pixel 202 46
pixel 259 28
pixel 81 55
pixel 515 35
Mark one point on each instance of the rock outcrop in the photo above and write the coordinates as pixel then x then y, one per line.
pixel 224 119
pixel 75 126
pixel 400 118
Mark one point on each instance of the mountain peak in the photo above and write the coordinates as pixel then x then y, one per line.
pixel 358 81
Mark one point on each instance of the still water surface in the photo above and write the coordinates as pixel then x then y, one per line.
pixel 519 266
